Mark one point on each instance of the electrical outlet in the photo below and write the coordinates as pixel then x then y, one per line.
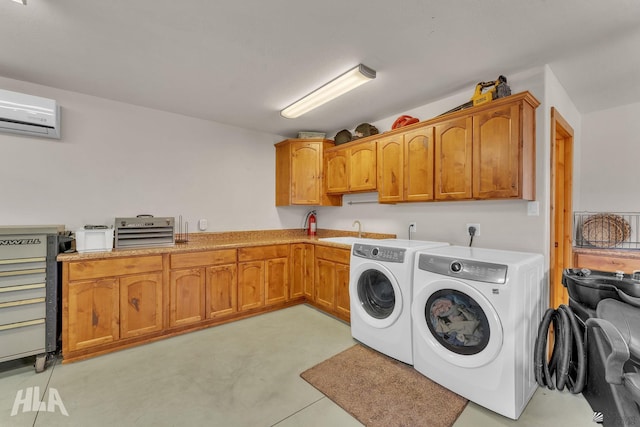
pixel 477 227
pixel 203 224
pixel 413 227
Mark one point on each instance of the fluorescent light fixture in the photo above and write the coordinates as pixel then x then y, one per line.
pixel 336 87
pixel 22 2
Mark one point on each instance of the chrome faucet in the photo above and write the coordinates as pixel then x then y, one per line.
pixel 356 222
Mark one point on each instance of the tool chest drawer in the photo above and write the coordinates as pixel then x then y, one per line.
pixel 24 271
pixel 22 310
pixel 21 339
pixel 24 292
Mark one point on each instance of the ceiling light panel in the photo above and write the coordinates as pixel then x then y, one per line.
pixel 340 85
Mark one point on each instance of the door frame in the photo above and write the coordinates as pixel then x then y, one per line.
pixel 561 198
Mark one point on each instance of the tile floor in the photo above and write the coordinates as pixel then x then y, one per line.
pixel 244 373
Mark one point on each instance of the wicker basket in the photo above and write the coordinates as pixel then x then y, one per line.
pixel 605 230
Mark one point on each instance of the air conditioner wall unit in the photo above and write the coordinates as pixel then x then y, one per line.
pixel 29 115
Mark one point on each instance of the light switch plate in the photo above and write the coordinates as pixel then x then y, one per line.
pixel 202 224
pixel 533 208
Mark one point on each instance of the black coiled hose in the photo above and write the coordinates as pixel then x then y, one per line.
pixel 568 360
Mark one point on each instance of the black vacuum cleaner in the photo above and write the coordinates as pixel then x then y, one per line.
pixel 596 349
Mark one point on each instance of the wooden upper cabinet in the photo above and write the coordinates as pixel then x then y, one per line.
pixel 496 153
pixel 306 169
pixel 362 167
pixel 299 173
pixel 484 152
pixel 504 151
pixel 405 166
pixel 418 164
pixel 453 159
pixel 390 169
pixel 351 168
pixel 337 171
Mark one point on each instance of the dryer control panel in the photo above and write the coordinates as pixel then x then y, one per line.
pixel 464 268
pixel 379 253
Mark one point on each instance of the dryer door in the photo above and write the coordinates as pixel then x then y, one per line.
pixel 375 294
pixel 458 322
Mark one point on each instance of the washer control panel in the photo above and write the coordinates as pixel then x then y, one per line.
pixel 464 268
pixel 379 253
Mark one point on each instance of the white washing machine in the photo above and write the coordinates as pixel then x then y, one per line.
pixel 475 318
pixel 380 285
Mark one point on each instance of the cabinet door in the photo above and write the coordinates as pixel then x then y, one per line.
pixel 496 153
pixel 390 169
pixel 187 296
pixel 140 304
pixel 418 165
pixel 362 167
pixel 453 161
pixel 301 271
pixel 250 285
pixel 276 281
pixel 336 172
pixel 325 284
pixel 93 313
pixel 343 308
pixel 306 162
pixel 221 290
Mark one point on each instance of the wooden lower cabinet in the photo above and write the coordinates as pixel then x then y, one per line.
pixel 140 304
pixel 108 300
pixel 343 303
pixel 112 303
pixel 325 284
pixel 187 296
pixel 301 271
pixel 250 285
pixel 332 281
pixel 221 296
pixel 93 318
pixel 275 282
pixel 263 276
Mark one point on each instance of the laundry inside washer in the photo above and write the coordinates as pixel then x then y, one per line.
pixel 475 314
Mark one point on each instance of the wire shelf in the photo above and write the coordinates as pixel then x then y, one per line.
pixel 607 230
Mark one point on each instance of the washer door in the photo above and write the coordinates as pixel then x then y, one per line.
pixel 375 295
pixel 458 323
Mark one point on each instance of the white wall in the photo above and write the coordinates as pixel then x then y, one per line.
pixel 117 159
pixel 610 160
pixel 504 223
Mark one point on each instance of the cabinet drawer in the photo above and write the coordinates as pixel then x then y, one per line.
pixel 263 252
pixel 82 270
pixel 206 258
pixel 607 263
pixel 333 254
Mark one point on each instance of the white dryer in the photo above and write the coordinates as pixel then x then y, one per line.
pixel 380 285
pixel 475 318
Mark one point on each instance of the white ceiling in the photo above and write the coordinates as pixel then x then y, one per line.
pixel 241 62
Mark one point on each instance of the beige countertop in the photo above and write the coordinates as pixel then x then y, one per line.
pixel 226 240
